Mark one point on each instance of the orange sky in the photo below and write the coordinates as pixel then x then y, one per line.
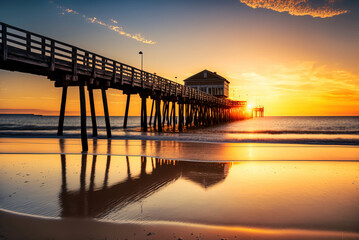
pixel 295 59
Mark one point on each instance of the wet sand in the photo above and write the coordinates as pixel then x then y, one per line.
pixel 230 191
pixel 21 226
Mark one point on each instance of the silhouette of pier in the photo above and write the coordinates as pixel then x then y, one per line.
pixel 258 111
pixel 91 200
pixel 68 66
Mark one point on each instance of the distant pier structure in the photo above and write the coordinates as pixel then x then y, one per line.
pixel 173 105
pixel 258 111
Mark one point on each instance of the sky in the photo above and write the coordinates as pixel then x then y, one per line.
pixel 294 57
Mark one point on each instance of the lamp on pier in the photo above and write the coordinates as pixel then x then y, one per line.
pixel 141 53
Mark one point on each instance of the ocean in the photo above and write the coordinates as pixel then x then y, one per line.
pixel 287 130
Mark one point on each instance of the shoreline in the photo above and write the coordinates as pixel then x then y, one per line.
pixel 243 176
pixel 37 227
pixel 185 151
pixel 162 137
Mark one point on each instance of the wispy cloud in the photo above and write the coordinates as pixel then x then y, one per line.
pixel 111 26
pixel 325 9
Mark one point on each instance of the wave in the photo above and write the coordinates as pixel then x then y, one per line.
pixel 192 138
pixel 334 132
pixel 14 127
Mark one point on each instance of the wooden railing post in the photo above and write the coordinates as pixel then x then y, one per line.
pixel 4 42
pixel 121 74
pixel 142 82
pixel 86 60
pixel 147 78
pixel 169 88
pixel 93 66
pixel 28 42
pixel 52 55
pixel 133 77
pixel 104 61
pixel 43 46
pixel 74 61
pixel 114 69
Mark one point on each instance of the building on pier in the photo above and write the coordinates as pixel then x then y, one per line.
pixel 209 82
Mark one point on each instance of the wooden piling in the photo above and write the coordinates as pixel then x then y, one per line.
pixel 158 113
pixel 144 113
pixel 174 115
pixel 167 114
pixel 126 112
pixel 164 112
pixel 105 110
pixel 93 113
pixel 83 118
pixel 60 128
pixel 153 103
pixel 180 116
pixel 141 121
pixel 155 117
pixel 171 114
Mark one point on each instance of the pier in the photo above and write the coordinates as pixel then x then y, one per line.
pixel 258 111
pixel 173 105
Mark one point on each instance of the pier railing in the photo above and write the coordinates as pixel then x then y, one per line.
pixel 37 50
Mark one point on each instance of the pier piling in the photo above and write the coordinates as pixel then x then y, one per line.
pixel 126 111
pixel 83 117
pixel 105 109
pixel 60 128
pixel 93 113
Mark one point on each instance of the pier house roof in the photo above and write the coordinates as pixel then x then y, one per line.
pixel 206 77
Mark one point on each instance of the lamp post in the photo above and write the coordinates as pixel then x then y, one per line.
pixel 141 53
pixel 176 79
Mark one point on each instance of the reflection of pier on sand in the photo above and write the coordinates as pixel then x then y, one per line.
pixel 94 201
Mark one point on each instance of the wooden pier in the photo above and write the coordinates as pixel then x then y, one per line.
pixel 258 111
pixel 68 66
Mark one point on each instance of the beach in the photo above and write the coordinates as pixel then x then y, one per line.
pixel 182 120
pixel 142 189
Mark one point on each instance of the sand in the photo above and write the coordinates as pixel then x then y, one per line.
pixel 21 226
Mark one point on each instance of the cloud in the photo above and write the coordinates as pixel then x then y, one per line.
pixel 116 28
pixel 299 7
